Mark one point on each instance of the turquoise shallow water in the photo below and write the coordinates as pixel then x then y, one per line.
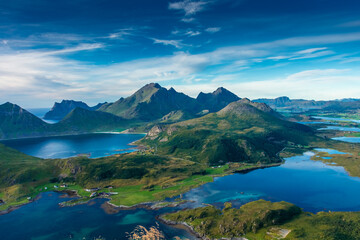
pixel 95 145
pixel 309 184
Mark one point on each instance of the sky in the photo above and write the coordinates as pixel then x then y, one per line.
pixel 101 50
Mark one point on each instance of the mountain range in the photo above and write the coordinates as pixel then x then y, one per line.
pixel 151 103
pixel 285 103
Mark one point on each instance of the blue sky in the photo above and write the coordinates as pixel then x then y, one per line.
pixel 101 50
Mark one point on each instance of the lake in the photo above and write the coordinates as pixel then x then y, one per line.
pixel 340 128
pixel 95 145
pixel 337 119
pixel 309 184
pixel 348 139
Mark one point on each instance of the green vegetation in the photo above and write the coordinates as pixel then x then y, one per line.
pixel 134 178
pixel 261 220
pixel 350 160
pixel 242 132
pixel 212 223
pixel 16 122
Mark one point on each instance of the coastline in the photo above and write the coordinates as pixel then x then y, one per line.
pixel 145 205
pixel 67 134
pixel 181 225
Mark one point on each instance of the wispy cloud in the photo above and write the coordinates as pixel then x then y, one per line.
pixel 188 7
pixel 319 84
pixel 188 32
pixel 213 29
pixel 121 33
pixel 174 43
pixel 48 75
pixel 192 33
pixel 188 20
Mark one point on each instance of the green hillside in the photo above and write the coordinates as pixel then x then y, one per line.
pixel 243 131
pixel 16 122
pixel 262 220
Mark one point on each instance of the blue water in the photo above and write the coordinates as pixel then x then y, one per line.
pixel 348 139
pixel 309 123
pixel 96 145
pixel 309 184
pixel 40 113
pixel 339 128
pixel 44 219
pixel 337 119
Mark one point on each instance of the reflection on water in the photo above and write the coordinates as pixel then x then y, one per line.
pixel 94 145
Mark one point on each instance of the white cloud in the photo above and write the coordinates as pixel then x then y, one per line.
pixel 121 33
pixel 43 76
pixel 213 29
pixel 319 84
pixel 188 7
pixel 311 50
pixel 192 33
pixel 188 20
pixel 313 55
pixel 175 43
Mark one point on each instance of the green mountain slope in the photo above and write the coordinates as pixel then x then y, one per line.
pixel 243 131
pixel 16 122
pixel 82 120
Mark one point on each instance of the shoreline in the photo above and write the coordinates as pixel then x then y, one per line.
pixel 145 205
pixel 68 134
pixel 181 225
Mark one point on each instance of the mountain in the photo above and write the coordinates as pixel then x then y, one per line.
pixel 216 100
pixel 16 122
pixel 82 120
pixel 60 110
pixel 285 103
pixel 151 102
pixel 243 131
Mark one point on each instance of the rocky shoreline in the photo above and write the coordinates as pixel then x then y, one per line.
pixel 190 229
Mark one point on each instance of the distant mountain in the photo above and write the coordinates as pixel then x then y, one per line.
pixel 16 122
pixel 243 131
pixel 216 100
pixel 60 110
pixel 285 103
pixel 151 102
